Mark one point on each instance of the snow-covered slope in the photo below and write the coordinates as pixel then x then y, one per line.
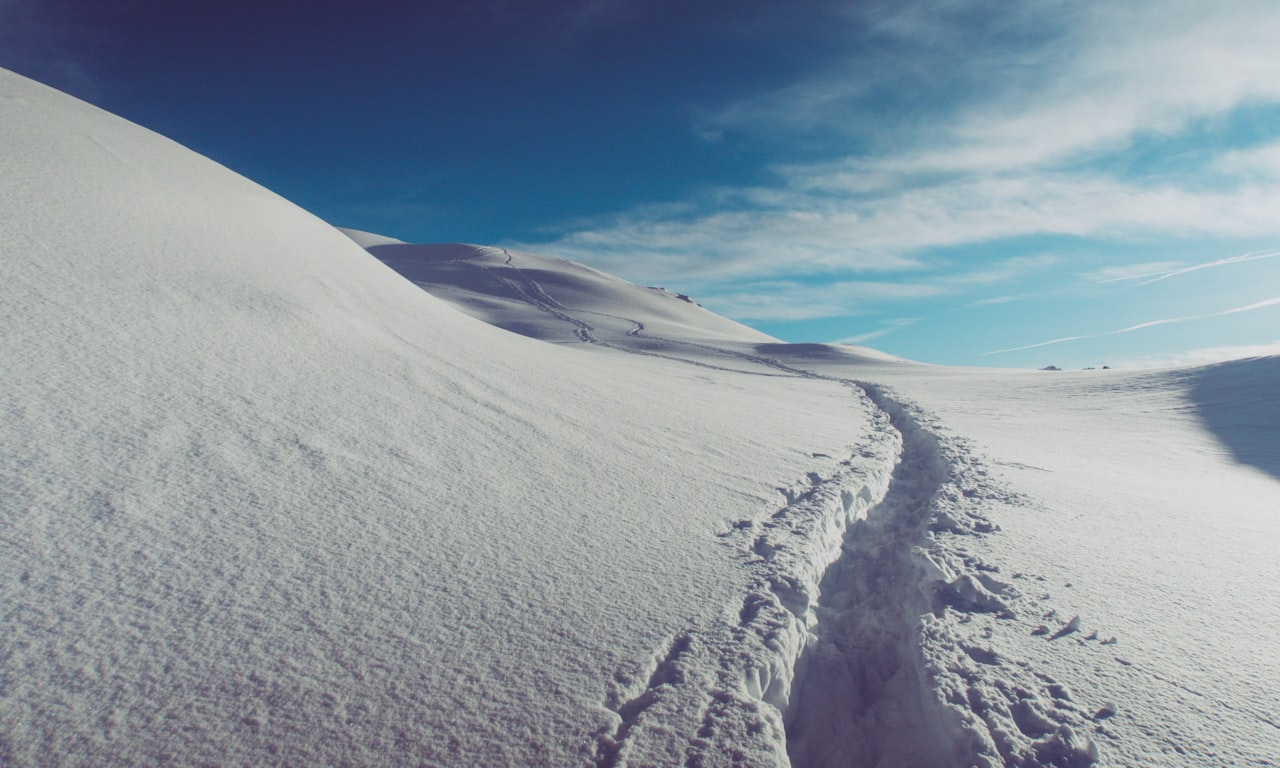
pixel 551 299
pixel 1074 542
pixel 265 501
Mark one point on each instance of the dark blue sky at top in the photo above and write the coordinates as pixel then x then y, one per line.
pixel 436 121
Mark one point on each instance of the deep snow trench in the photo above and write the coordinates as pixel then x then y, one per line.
pixel 862 697
pixel 849 647
pixel 733 679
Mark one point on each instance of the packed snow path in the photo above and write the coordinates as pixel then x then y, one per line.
pixel 1022 673
pixel 833 652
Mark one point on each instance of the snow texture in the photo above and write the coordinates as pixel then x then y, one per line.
pixel 270 500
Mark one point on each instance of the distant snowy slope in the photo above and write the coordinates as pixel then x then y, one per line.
pixel 263 501
pixel 551 299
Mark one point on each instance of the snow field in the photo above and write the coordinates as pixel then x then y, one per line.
pixel 1132 556
pixel 873 699
pixel 265 501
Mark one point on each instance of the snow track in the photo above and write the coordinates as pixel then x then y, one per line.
pixel 863 699
pixel 863 636
pixel 733 680
pixel 860 628
pixel 529 291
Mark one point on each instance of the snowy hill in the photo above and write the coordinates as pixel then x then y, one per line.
pixel 267 501
pixel 514 290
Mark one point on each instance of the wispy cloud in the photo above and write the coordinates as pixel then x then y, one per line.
pixel 1154 272
pixel 809 233
pixel 1123 272
pixel 1098 76
pixel 1140 326
pixel 998 122
pixel 1032 84
pixel 773 300
pixel 996 300
pixel 1255 256
pixel 887 328
pixel 952 136
pixel 1262 161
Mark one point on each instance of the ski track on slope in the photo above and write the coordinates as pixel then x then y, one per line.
pixel 531 292
pixel 864 635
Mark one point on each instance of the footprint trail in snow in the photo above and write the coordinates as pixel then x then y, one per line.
pixel 864 636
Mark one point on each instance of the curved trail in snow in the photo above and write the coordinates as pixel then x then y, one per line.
pixel 845 649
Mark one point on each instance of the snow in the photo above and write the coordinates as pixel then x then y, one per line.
pixel 269 499
pixel 1139 528
pixel 551 299
pixel 265 501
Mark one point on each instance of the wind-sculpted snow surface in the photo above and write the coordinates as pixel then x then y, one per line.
pixel 266 502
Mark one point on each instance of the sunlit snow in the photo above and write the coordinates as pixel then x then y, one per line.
pixel 280 494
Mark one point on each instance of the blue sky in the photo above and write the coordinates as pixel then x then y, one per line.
pixel 972 183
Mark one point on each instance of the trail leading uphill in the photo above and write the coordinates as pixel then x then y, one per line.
pixel 933 620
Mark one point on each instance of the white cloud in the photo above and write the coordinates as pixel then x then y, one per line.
pixel 966 123
pixel 1255 256
pixel 1123 272
pixel 1154 272
pixel 1253 162
pixel 729 244
pixel 790 300
pixel 1003 271
pixel 801 234
pixel 1037 82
